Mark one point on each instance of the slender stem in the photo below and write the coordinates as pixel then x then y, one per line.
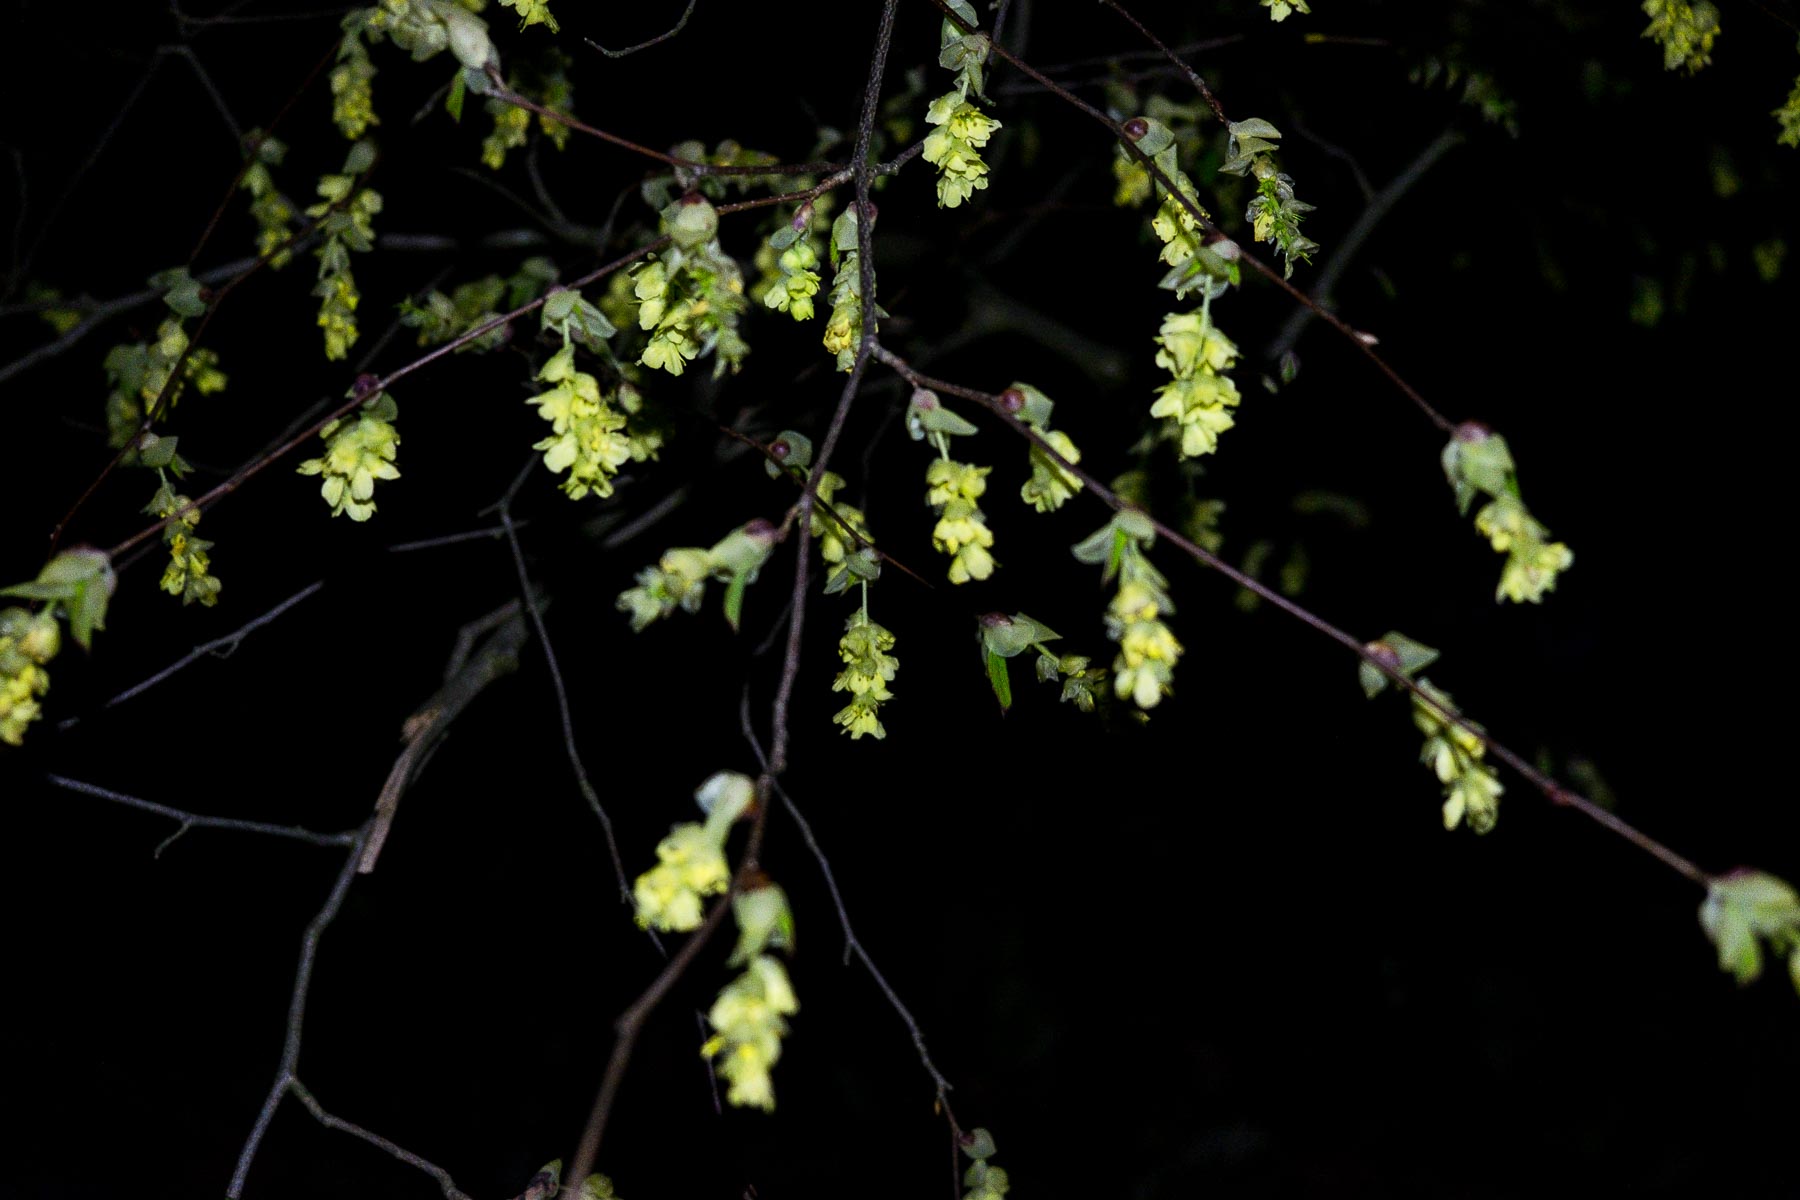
pixel 1551 789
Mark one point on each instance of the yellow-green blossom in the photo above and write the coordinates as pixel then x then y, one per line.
pixel 352 97
pixel 358 451
pixel 1788 116
pixel 27 643
pixel 793 292
pixel 690 866
pixel 587 437
pixel 955 147
pixel 868 669
pixel 1147 648
pixel 1477 461
pixel 678 580
pixel 1454 754
pixel 533 12
pixel 1280 10
pixel 1684 31
pixel 188 574
pixel 749 1020
pixel 1198 400
pixel 961 531
pixel 1051 483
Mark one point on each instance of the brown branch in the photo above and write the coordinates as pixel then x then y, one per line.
pixel 1552 790
pixel 1363 341
pixel 658 40
pixel 1175 60
pixel 192 820
pixel 311 1104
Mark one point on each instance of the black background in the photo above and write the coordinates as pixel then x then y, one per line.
pixel 1231 951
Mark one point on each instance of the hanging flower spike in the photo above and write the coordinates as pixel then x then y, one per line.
pixel 587 437
pixel 1197 401
pixel 954 147
pixel 27 643
pixel 961 530
pixel 1051 483
pixel 188 574
pixel 1454 754
pixel 358 451
pixel 1478 461
pixel 868 669
pixel 691 860
pixel 749 1019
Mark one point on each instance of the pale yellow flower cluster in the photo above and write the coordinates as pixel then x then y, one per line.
pixel 358 451
pixel 587 434
pixel 1454 754
pixel 750 1019
pixel 868 669
pixel 1198 400
pixel 27 643
pixel 961 531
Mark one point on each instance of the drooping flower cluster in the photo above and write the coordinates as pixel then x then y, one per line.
pixel 689 300
pixel 143 374
pixel 272 211
pixel 678 579
pixel 1281 10
pixel 953 490
pixel 75 586
pixel 844 328
pixel 1198 400
pixel 1004 637
pixel 749 1018
pixel 1788 117
pixel 1274 213
pixel 960 128
pixel 587 434
pixel 1144 668
pixel 345 212
pixel 690 862
pixel 189 573
pixel 984 1180
pixel 352 80
pixel 27 644
pixel 1684 31
pixel 789 262
pixel 358 450
pixel 868 669
pixel 549 85
pixel 1454 753
pixel 1051 483
pixel 1477 461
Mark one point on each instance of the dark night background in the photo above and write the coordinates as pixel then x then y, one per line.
pixel 1231 952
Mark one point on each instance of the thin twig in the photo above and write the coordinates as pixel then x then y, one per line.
pixel 329 1121
pixel 220 647
pixel 192 820
pixel 1363 341
pixel 1552 790
pixel 528 595
pixel 658 40
pixel 285 1070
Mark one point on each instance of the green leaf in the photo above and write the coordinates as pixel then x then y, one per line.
pixel 453 103
pixel 1407 656
pixel 181 291
pixel 1001 680
pixel 1741 910
pixel 156 452
pixel 734 598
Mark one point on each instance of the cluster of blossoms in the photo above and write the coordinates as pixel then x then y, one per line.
pixel 587 438
pixel 345 213
pixel 984 1180
pixel 678 579
pixel 1051 483
pixel 189 573
pixel 27 643
pixel 953 490
pixel 352 83
pixel 142 374
pixel 689 300
pixel 868 669
pixel 843 329
pixel 358 451
pixel 1477 461
pixel 272 211
pixel 789 260
pixel 1274 213
pixel 845 542
pixel 690 862
pixel 1788 116
pixel 1454 754
pixel 1004 637
pixel 749 1017
pixel 1197 402
pixel 1281 10
pixel 1684 31
pixel 550 86
pixel 74 586
pixel 1144 667
pixel 960 128
pixel 1453 750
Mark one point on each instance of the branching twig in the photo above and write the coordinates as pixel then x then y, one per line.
pixel 191 820
pixel 219 647
pixel 1552 790
pixel 658 40
pixel 329 1121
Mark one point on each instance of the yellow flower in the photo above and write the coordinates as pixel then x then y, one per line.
pixel 690 866
pixel 358 451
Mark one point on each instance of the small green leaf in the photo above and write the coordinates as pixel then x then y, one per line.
pixel 453 103
pixel 734 599
pixel 1001 680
